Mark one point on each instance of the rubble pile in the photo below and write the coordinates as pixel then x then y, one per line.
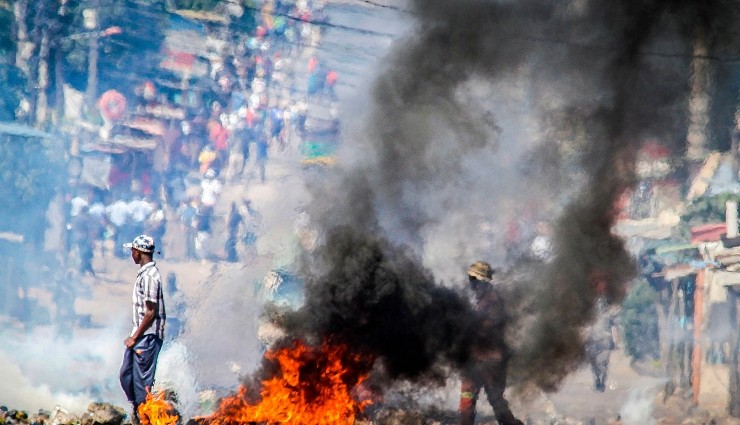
pixel 103 414
pixel 96 414
pixel 11 416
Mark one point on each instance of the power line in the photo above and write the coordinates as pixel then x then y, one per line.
pixel 322 23
pixel 386 6
pixel 603 47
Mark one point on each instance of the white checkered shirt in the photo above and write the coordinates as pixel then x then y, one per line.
pixel 148 287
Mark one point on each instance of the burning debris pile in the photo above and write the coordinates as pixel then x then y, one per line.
pixel 159 409
pixel 311 385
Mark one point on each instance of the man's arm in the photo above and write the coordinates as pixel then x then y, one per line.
pixel 151 308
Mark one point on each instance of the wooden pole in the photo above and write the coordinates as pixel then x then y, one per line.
pixel 42 80
pixel 734 397
pixel 92 72
pixel 699 100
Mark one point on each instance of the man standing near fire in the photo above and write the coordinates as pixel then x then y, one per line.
pixel 145 340
pixel 490 355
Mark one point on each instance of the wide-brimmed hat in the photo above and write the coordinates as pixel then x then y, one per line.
pixel 481 270
pixel 143 243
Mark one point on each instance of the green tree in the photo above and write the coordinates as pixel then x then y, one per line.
pixel 196 4
pixel 7 46
pixel 640 323
pixel 704 210
pixel 12 83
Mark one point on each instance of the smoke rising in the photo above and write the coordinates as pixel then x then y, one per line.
pixel 71 378
pixel 638 407
pixel 380 301
pixel 594 78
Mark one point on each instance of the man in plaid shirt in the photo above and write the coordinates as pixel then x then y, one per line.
pixel 145 340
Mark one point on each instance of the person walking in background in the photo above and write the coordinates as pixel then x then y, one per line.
pixel 145 341
pixel 189 221
pixel 177 302
pixel 232 240
pixel 83 239
pixel 600 341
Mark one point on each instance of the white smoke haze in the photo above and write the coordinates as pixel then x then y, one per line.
pixel 468 212
pixel 280 203
pixel 17 391
pixel 40 371
pixel 175 372
pixel 222 318
pixel 638 408
pixel 220 325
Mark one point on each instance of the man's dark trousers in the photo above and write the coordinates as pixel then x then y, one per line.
pixel 138 367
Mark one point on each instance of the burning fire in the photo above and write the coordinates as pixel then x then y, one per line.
pixel 156 410
pixel 313 386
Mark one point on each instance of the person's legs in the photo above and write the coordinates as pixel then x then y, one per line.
pixel 601 367
pixel 495 384
pixel 231 253
pixel 593 352
pixel 145 356
pixel 190 243
pixel 468 397
pixel 236 161
pixel 126 374
pixel 261 165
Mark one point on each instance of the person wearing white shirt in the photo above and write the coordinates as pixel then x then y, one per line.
pixel 211 189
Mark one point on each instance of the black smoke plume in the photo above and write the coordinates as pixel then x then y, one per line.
pixel 376 298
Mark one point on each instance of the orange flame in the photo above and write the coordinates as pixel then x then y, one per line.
pixel 156 410
pixel 313 387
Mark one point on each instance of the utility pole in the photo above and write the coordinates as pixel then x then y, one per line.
pixel 90 22
pixel 699 100
pixel 20 8
pixel 59 82
pixel 43 77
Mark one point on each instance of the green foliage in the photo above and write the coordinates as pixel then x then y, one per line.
pixel 207 4
pixel 7 46
pixel 8 100
pixel 196 4
pixel 640 322
pixel 12 88
pixel 707 209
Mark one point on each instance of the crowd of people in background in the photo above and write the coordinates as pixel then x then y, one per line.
pixel 255 106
